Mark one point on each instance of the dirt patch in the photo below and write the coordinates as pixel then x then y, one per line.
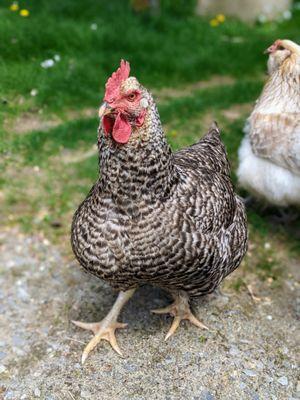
pixel 249 352
pixel 237 111
pixel 187 90
pixel 84 113
pixel 71 156
pixel 32 122
pixel 28 122
pixel 231 114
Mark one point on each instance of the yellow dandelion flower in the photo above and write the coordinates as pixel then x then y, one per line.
pixel 214 22
pixel 220 17
pixel 14 7
pixel 24 13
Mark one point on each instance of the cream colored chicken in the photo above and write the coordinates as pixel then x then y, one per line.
pixel 269 156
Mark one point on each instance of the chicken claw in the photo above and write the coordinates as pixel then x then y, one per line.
pixel 105 329
pixel 180 310
pixel 101 330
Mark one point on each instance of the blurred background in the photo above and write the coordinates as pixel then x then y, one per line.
pixel 203 61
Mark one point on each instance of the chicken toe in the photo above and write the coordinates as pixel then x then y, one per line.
pixel 105 329
pixel 180 310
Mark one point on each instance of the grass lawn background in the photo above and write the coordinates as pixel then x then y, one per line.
pixel 198 73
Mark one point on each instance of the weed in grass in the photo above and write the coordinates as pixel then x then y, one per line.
pixel 237 284
pixel 202 339
pixel 267 266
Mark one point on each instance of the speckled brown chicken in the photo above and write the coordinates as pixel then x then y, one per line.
pixel 154 216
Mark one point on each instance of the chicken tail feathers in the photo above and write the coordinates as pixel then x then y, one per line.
pixel 214 128
pixel 209 153
pixel 214 133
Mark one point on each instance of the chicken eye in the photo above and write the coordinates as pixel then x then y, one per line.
pixel 280 48
pixel 131 97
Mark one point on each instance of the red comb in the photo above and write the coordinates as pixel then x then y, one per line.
pixel 114 82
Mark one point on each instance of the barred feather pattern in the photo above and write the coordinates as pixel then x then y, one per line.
pixel 158 217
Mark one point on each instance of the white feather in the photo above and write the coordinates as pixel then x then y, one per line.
pixel 266 180
pixel 144 102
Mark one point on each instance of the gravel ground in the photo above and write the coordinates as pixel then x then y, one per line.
pixel 250 351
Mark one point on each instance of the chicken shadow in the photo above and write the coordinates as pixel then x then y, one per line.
pixel 94 298
pixel 285 220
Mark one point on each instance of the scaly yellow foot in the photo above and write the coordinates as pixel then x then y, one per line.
pixel 102 330
pixel 180 310
pixel 105 329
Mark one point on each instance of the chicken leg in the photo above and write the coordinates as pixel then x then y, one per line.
pixel 105 329
pixel 180 310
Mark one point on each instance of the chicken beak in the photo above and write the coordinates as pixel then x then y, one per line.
pixel 269 50
pixel 273 47
pixel 104 109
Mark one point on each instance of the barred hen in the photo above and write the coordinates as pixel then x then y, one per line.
pixel 154 216
pixel 269 156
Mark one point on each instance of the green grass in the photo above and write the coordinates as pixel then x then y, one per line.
pixel 36 147
pixel 163 50
pixel 41 187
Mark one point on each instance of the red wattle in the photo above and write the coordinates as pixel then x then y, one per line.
pixel 141 118
pixel 108 124
pixel 121 130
